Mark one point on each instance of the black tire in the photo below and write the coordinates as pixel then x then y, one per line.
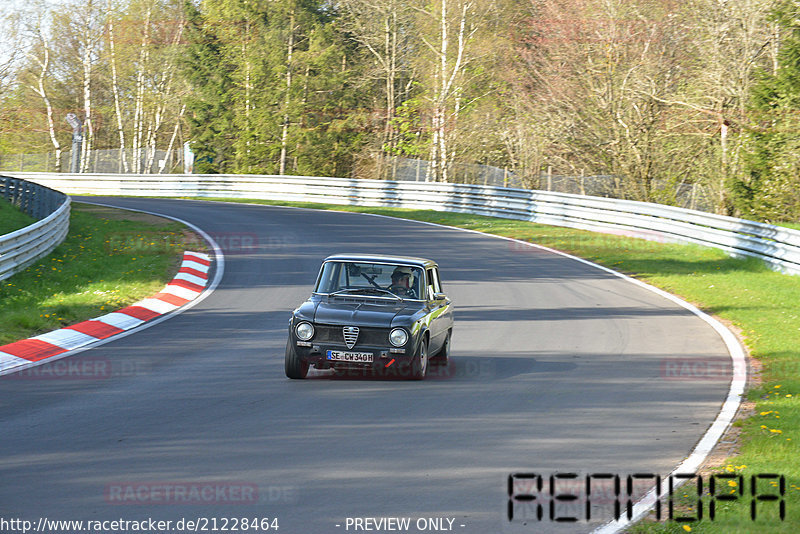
pixel 295 368
pixel 443 356
pixel 419 367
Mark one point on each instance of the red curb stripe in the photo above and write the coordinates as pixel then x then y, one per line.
pixel 194 272
pixel 187 285
pixel 196 259
pixel 32 349
pixel 35 350
pixel 139 312
pixel 172 299
pixel 97 329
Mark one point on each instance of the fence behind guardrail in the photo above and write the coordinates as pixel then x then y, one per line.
pixel 23 247
pixel 778 246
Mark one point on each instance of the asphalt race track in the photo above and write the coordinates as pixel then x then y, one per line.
pixel 557 367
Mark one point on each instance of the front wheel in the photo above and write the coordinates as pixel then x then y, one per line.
pixel 295 368
pixel 419 367
pixel 443 356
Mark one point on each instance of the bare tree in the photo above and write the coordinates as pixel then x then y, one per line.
pixel 598 76
pixel 451 38
pixel 290 44
pixel 88 19
pixel 732 40
pixel 40 56
pixel 385 30
pixel 11 48
pixel 115 90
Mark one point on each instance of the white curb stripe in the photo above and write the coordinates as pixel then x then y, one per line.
pixel 122 321
pixel 191 278
pixel 196 266
pixel 66 338
pixel 182 292
pixel 156 305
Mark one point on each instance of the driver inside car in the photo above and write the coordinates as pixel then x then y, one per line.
pixel 402 284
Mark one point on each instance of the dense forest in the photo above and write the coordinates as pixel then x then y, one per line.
pixel 654 95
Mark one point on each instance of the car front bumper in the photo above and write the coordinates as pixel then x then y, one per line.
pixel 324 355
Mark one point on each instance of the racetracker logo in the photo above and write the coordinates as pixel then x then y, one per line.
pixel 83 368
pixel 693 369
pixel 207 493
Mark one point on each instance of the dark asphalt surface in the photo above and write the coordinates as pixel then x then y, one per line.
pixel 556 367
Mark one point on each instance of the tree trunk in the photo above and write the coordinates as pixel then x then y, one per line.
pixel 287 99
pixel 115 89
pixel 88 125
pixel 39 89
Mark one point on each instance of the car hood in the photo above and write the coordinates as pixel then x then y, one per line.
pixel 381 315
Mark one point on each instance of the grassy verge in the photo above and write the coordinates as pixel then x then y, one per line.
pixel 763 305
pixel 110 259
pixel 11 218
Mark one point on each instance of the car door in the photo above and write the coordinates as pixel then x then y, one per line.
pixel 440 311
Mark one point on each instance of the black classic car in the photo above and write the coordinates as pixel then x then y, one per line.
pixel 380 314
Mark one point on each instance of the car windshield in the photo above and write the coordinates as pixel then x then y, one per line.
pixel 375 279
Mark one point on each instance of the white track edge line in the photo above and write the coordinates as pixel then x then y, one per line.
pixel 219 264
pixel 717 427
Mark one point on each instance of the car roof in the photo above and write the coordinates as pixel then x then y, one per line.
pixel 408 260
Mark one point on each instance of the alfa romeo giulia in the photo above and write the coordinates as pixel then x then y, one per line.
pixel 379 314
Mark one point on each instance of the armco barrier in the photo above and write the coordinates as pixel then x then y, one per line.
pixel 780 247
pixel 22 247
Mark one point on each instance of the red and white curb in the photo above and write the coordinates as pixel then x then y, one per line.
pixel 187 285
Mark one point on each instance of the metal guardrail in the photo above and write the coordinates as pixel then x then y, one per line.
pixel 23 247
pixel 778 246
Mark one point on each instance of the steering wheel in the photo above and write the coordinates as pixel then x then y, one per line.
pixel 402 291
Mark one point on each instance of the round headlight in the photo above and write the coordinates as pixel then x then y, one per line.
pixel 398 337
pixel 304 331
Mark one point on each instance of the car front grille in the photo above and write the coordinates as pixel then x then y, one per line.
pixel 350 335
pixel 366 335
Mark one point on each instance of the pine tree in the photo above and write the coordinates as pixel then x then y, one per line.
pixel 771 189
pixel 210 115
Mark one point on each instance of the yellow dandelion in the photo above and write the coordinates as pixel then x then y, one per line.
pixel 687 528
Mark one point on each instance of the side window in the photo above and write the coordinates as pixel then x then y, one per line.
pixel 437 284
pixel 434 286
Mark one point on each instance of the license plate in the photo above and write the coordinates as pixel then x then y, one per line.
pixel 339 356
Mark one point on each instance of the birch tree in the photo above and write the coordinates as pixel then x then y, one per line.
pixel 449 31
pixel 111 15
pixel 40 57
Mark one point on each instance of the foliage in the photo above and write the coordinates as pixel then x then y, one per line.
pixel 653 96
pixel 771 188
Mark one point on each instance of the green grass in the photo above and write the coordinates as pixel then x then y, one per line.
pixel 795 226
pixel 11 218
pixel 107 262
pixel 95 271
pixel 762 304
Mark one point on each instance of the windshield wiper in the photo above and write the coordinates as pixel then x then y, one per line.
pixel 366 289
